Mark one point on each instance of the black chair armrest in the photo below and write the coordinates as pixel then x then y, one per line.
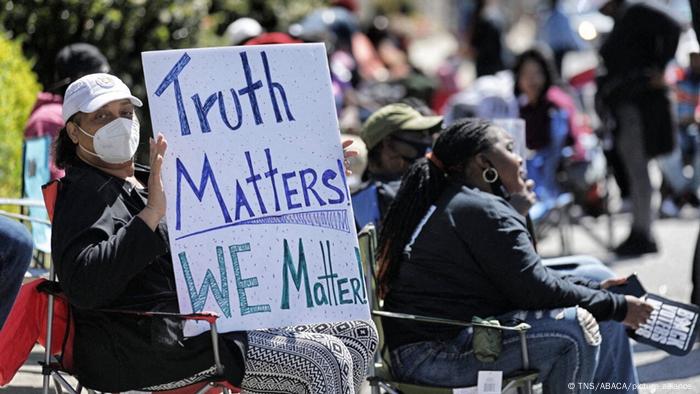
pixel 438 320
pixel 209 317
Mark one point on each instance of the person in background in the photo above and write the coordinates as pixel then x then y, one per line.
pixel 484 35
pixel 682 189
pixel 695 275
pixel 633 91
pixel 356 164
pixel 15 255
pixel 550 118
pixel 72 62
pixel 695 295
pixel 396 135
pixel 556 32
pixel 110 249
pixel 455 245
pixel 242 30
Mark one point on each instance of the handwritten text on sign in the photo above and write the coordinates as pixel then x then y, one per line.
pixel 259 214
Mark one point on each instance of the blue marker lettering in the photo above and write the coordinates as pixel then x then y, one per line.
pixel 171 78
pixel 242 284
pixel 207 174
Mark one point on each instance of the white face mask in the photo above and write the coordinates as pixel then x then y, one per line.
pixel 115 142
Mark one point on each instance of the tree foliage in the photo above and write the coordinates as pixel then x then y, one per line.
pixel 18 90
pixel 122 29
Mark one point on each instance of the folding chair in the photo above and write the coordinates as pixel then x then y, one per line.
pixel 380 377
pixel 35 173
pixel 58 368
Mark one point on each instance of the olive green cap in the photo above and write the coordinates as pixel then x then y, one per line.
pixel 392 118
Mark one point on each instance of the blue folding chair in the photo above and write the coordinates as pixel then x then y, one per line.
pixel 34 174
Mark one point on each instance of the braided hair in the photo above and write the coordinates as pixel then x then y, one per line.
pixel 423 184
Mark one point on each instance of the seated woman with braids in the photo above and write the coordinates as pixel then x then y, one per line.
pixel 455 245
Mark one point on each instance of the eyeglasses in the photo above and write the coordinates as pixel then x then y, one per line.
pixel 420 146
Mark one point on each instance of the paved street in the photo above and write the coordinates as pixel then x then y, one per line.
pixel 666 273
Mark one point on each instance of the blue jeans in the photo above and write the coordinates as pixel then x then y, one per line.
pixel 15 255
pixel 615 364
pixel 556 348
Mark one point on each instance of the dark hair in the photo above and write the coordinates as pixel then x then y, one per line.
pixel 544 58
pixel 423 184
pixel 64 149
pixel 74 61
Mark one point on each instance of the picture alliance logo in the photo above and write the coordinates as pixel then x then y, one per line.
pixel 624 386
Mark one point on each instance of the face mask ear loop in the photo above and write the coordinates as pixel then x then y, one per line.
pixel 88 152
pixel 83 131
pixel 82 147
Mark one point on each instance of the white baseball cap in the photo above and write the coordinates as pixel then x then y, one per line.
pixel 92 91
pixel 243 29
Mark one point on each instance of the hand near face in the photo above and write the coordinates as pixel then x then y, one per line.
pixel 155 207
pixel 347 153
pixel 525 198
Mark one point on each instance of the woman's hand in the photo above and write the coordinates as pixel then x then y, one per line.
pixel 523 200
pixel 155 207
pixel 347 153
pixel 608 283
pixel 638 312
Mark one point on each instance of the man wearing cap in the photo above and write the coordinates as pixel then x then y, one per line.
pixel 396 135
pixel 72 62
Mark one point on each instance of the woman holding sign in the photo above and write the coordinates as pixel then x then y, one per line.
pixel 111 252
pixel 455 245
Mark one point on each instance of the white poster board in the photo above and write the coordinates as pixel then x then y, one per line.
pixel 259 215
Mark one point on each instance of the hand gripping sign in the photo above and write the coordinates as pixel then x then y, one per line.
pixel 259 214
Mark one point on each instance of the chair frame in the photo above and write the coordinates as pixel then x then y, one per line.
pixel 368 246
pixel 54 371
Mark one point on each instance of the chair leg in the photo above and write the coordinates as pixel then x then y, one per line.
pixel 57 384
pixel 62 384
pixel 387 388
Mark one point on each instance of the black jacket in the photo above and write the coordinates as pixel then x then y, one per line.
pixel 474 257
pixel 108 258
pixel 640 45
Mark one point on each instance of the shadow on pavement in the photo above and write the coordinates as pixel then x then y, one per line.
pixel 670 367
pixel 21 390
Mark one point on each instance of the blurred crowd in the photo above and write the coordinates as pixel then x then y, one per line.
pixel 567 82
pixel 578 107
pixel 566 92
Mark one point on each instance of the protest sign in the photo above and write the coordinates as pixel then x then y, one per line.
pixel 259 214
pixel 672 326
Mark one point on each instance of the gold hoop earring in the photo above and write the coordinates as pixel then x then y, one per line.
pixel 490 175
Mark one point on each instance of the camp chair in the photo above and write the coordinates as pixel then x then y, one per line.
pixel 380 377
pixel 365 205
pixel 58 368
pixel 35 172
